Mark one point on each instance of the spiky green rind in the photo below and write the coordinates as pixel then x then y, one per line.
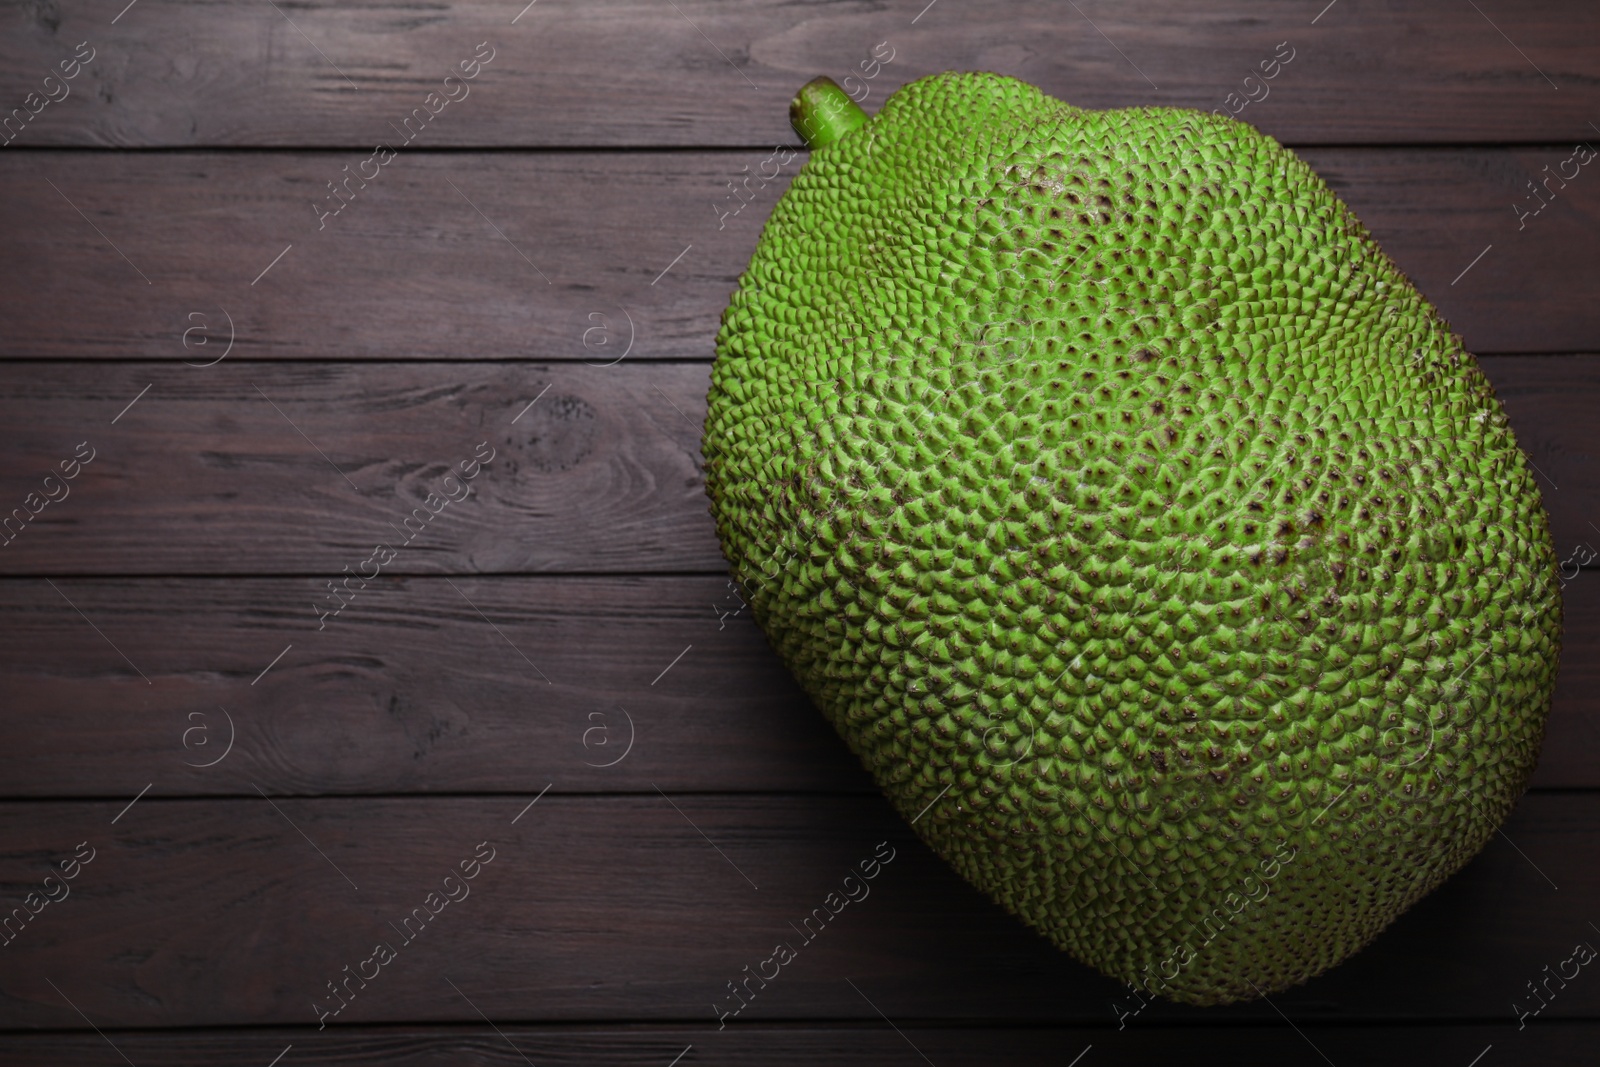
pixel 1113 493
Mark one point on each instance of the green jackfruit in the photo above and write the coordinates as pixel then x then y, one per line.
pixel 1148 536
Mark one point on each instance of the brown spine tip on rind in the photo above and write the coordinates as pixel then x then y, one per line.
pixel 821 113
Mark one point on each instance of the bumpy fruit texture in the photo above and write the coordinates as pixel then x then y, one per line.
pixel 1115 495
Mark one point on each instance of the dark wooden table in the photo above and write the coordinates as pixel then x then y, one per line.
pixel 251 789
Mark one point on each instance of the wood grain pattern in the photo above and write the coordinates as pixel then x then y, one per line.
pixel 541 270
pixel 204 475
pixel 870 1043
pixel 408 690
pixel 511 263
pixel 411 690
pixel 560 256
pixel 632 72
pixel 263 468
pixel 214 912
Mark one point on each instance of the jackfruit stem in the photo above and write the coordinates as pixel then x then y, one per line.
pixel 821 113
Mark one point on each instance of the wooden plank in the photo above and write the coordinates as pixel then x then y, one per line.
pixel 1571 753
pixel 285 468
pixel 213 912
pixel 410 690
pixel 550 256
pixel 859 1045
pixel 1450 220
pixel 560 256
pixel 1541 397
pixel 208 473
pixel 701 73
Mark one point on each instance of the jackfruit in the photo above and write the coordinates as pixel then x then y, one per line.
pixel 1148 536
